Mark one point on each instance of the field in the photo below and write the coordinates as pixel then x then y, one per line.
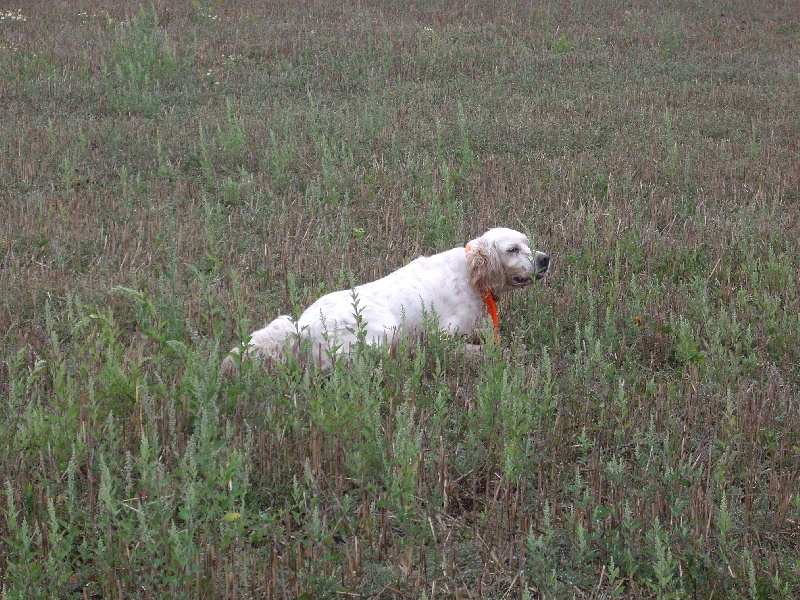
pixel 174 175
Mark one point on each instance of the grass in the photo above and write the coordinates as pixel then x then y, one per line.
pixel 175 176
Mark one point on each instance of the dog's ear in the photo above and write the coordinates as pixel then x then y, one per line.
pixel 485 269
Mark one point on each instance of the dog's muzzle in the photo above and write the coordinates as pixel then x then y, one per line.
pixel 541 265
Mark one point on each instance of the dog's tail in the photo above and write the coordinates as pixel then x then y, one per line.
pixel 274 343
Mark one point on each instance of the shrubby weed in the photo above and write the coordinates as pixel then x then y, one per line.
pixel 143 62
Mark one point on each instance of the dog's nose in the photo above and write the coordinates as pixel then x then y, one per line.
pixel 543 262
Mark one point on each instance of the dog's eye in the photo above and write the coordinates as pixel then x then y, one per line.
pixel 513 249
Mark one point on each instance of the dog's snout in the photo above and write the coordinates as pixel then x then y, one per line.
pixel 543 262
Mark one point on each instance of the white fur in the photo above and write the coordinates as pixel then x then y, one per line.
pixel 450 285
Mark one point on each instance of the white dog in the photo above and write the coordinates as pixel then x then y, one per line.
pixel 458 287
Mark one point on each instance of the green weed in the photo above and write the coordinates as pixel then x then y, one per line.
pixel 142 63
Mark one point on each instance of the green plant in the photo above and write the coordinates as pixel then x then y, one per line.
pixel 143 61
pixel 562 45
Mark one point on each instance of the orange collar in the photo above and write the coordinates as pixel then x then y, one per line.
pixel 491 308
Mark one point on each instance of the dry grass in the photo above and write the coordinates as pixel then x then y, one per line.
pixel 175 175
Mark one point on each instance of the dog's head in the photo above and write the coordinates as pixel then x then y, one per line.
pixel 502 260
